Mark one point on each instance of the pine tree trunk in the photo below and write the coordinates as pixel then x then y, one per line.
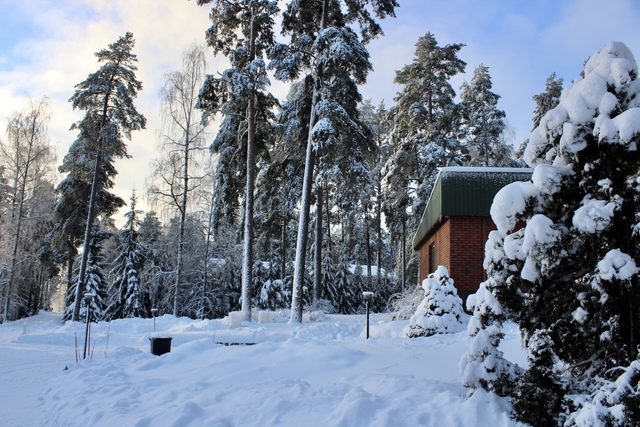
pixel 317 270
pixel 379 231
pixel 70 263
pixel 247 262
pixel 283 248
pixel 404 250
pixel 92 210
pixel 87 233
pixel 328 209
pixel 303 223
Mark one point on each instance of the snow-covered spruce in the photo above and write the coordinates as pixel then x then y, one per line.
pixel 577 252
pixel 128 296
pixel 440 312
pixel 96 283
pixel 484 366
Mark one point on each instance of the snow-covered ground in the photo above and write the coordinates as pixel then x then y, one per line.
pixel 321 373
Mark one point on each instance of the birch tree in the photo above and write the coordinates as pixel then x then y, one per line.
pixel 176 173
pixel 26 158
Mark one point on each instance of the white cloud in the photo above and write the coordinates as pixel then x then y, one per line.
pixel 162 29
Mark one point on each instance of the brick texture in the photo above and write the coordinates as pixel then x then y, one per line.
pixel 459 244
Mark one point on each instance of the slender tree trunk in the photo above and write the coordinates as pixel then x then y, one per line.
pixel 247 262
pixel 208 250
pixel 403 255
pixel 379 221
pixel 328 209
pixel 70 264
pixel 283 248
pixel 12 268
pixel 87 233
pixel 317 268
pixel 92 210
pixel 303 223
pixel 183 217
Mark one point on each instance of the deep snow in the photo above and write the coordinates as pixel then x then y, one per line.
pixel 321 373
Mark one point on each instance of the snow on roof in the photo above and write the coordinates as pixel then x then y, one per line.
pixel 464 169
pixel 467 191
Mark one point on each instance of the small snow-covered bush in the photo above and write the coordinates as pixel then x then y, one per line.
pixel 440 312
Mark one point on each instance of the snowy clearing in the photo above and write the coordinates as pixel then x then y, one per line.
pixel 314 374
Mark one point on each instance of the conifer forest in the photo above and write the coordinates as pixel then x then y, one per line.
pixel 300 203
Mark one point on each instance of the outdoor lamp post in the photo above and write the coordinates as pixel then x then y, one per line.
pixel 154 312
pixel 87 298
pixel 368 296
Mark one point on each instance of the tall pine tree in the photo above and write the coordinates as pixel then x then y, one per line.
pixel 107 97
pixel 242 30
pixel 322 43
pixel 483 123
pixel 545 101
pixel 424 134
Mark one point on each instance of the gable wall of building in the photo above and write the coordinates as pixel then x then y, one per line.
pixel 442 240
pixel 468 237
pixel 459 244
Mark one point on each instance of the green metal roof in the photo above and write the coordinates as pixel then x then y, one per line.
pixel 465 191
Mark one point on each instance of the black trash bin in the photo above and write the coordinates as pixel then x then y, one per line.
pixel 160 345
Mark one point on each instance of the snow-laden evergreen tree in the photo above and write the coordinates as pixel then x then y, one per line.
pixel 273 293
pixel 128 296
pixel 329 289
pixel 107 97
pixel 483 124
pixel 577 251
pixel 424 133
pixel 440 312
pixel 345 294
pixel 496 300
pixel 96 283
pixel 425 136
pixel 242 30
pixel 545 101
pixel 279 182
pixel 323 44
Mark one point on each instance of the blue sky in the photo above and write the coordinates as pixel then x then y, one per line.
pixel 46 47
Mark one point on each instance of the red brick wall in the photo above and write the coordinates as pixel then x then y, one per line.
pixel 468 236
pixel 443 249
pixel 459 247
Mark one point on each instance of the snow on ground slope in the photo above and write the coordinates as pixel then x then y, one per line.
pixel 315 374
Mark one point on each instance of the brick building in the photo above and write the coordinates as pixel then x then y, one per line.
pixel 456 222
